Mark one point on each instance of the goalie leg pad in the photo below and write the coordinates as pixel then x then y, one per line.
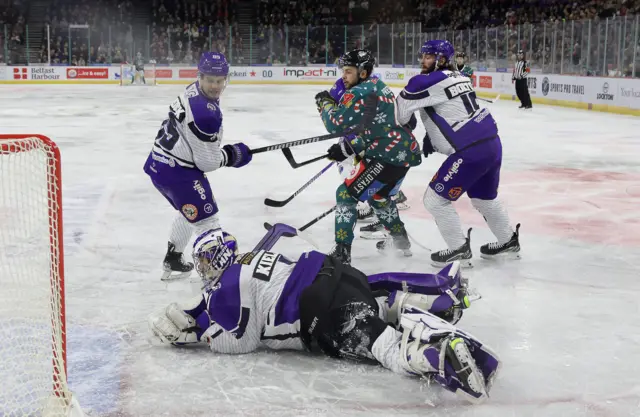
pixel 453 358
pixel 443 294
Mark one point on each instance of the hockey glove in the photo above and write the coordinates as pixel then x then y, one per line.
pixel 238 155
pixel 427 147
pixel 340 151
pixel 324 100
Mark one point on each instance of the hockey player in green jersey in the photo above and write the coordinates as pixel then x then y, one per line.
pixel 461 65
pixel 385 151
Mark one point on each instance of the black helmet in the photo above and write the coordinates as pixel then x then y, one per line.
pixel 359 58
pixel 521 52
pixel 461 54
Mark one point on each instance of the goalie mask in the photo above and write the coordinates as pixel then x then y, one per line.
pixel 213 252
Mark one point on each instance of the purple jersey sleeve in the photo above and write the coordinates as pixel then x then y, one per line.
pixel 418 87
pixel 207 118
pixel 337 91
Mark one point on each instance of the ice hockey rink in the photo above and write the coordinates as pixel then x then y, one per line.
pixel 564 319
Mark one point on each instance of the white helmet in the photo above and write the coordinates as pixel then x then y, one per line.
pixel 213 252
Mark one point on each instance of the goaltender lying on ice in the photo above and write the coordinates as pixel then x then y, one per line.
pixel 402 321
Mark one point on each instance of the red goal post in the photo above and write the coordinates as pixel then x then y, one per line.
pixel 32 296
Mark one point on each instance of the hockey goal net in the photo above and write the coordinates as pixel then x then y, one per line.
pixel 129 75
pixel 33 361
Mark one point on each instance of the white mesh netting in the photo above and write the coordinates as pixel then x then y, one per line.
pixel 32 329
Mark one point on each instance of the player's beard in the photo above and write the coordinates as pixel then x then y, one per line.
pixel 428 70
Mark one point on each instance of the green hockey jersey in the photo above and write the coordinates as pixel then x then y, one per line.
pixel 385 140
pixel 466 70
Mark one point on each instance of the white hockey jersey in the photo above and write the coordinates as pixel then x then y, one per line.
pixel 446 102
pixel 191 135
pixel 257 303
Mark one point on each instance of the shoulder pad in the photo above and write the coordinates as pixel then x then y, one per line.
pixel 419 84
pixel 207 118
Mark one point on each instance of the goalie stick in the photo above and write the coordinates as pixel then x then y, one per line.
pixel 289 155
pixel 370 108
pixel 275 203
pixel 278 229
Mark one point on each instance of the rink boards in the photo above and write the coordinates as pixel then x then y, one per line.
pixel 615 95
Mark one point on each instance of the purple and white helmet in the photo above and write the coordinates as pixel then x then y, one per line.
pixel 213 63
pixel 439 48
pixel 213 252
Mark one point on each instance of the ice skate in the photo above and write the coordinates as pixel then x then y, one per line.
pixel 396 242
pixel 174 265
pixel 509 250
pixel 462 254
pixel 401 201
pixel 467 371
pixel 375 230
pixel 365 212
pixel 342 252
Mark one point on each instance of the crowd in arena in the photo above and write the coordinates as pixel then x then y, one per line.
pixel 12 29
pixel 553 32
pixel 182 29
pixel 109 37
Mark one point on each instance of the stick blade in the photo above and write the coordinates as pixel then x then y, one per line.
pixel 269 226
pixel 289 155
pixel 275 203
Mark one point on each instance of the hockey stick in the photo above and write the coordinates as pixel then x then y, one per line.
pixel 279 229
pixel 289 155
pixel 369 113
pixel 489 101
pixel 312 222
pixel 291 232
pixel 306 141
pixel 275 203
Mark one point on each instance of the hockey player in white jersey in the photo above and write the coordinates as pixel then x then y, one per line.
pixel 263 299
pixel 457 127
pixel 188 145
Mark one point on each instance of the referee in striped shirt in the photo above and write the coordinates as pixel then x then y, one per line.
pixel 520 73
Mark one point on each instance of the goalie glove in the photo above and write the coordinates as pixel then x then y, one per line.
pixel 173 326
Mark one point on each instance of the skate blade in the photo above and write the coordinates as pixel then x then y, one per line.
pixel 471 376
pixel 373 235
pixel 369 219
pixel 403 206
pixel 172 276
pixel 506 256
pixel 464 263
pixel 397 253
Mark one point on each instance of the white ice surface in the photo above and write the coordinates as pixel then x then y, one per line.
pixel 564 319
